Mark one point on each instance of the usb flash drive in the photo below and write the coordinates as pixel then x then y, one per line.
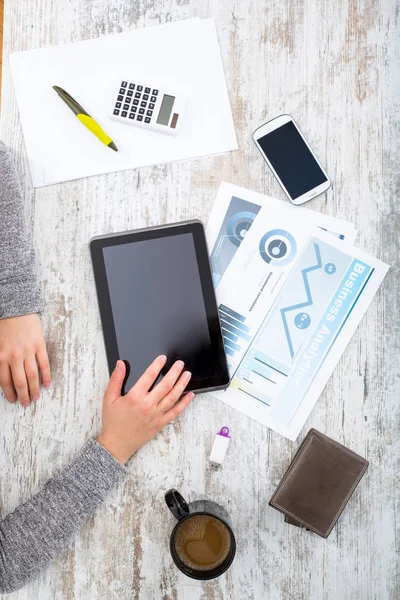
pixel 220 446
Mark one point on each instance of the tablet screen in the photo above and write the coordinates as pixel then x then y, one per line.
pixel 158 306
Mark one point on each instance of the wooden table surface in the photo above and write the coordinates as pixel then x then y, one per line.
pixel 335 67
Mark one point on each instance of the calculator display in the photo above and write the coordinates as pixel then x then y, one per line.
pixel 165 110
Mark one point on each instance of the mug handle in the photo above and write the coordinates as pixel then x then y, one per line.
pixel 176 504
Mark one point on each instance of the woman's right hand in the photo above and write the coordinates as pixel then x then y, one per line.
pixel 22 355
pixel 132 420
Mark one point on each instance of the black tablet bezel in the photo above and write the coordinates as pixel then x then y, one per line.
pixel 196 228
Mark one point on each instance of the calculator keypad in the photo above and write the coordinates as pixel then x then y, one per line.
pixel 143 102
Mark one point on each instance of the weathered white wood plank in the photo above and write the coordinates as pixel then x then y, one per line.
pixel 335 67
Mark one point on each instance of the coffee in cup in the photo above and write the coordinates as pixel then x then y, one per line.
pixel 202 543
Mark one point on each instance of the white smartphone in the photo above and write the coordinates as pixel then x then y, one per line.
pixel 291 159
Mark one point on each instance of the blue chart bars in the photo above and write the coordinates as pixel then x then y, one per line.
pixel 233 329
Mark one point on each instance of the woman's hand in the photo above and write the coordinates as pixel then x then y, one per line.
pixel 22 353
pixel 132 420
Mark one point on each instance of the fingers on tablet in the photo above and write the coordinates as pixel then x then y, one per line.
pixel 150 375
pixel 176 392
pixel 167 383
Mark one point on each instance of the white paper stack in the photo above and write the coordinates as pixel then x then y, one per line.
pixel 184 55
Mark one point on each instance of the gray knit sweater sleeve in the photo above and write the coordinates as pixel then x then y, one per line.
pixel 19 289
pixel 36 532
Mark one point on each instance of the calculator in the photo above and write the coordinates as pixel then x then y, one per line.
pixel 147 106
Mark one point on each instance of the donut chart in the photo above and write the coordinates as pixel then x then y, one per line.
pixel 238 226
pixel 278 247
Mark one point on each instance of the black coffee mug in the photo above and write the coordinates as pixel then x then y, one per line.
pixel 183 512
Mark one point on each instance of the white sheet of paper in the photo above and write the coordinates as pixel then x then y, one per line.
pixel 234 211
pixel 287 320
pixel 183 55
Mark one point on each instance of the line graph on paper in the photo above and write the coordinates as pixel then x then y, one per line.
pixel 291 321
pixel 302 319
pixel 302 301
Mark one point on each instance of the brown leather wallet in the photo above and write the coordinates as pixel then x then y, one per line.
pixel 318 483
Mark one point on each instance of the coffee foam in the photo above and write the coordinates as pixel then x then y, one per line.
pixel 194 530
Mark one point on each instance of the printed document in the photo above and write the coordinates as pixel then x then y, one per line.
pixel 233 213
pixel 290 299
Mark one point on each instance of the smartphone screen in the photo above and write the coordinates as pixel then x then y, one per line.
pixel 292 160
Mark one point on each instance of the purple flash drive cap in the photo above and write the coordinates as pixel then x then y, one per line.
pixel 224 432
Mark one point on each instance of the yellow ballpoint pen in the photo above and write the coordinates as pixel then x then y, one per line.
pixel 85 118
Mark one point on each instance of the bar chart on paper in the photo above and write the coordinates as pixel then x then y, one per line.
pixel 234 330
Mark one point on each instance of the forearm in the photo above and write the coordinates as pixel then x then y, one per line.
pixel 19 289
pixel 37 531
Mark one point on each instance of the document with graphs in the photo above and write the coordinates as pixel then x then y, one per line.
pixel 290 299
pixel 235 210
